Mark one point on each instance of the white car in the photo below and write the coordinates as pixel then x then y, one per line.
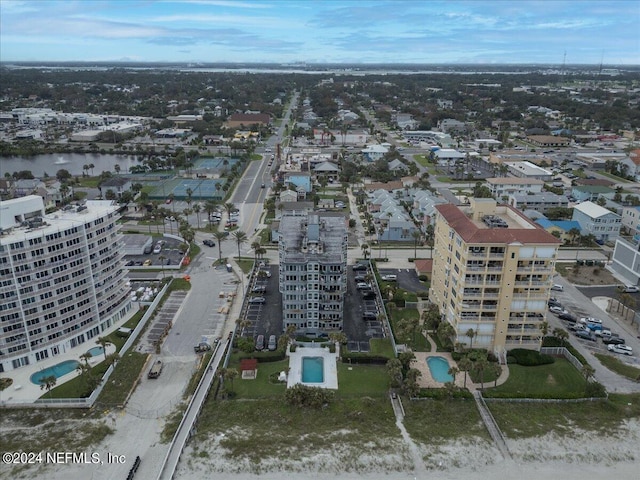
pixel 557 310
pixel 631 289
pixel 586 320
pixel 621 349
pixel 363 286
pixel 389 278
pixel 557 286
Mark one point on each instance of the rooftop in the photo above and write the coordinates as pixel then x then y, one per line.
pixel 315 236
pixel 593 210
pixel 469 223
pixel 514 181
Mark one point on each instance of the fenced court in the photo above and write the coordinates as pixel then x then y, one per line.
pixel 201 188
pixel 215 164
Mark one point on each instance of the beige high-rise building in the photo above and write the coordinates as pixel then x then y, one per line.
pixel 492 273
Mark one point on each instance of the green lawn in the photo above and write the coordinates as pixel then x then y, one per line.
pixel 381 347
pixel 621 368
pixel 246 264
pixel 432 421
pixel 416 341
pixel 526 420
pixel 557 380
pixel 268 429
pixel 262 386
pixel 359 380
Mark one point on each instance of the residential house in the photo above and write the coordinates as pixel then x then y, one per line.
pixel 397 166
pixel 631 220
pixel 506 186
pixel 540 202
pixel 448 156
pixel 117 185
pixel 562 227
pixel 595 220
pixel 374 152
pixel 584 193
pixel 626 261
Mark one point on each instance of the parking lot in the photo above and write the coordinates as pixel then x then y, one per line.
pixel 407 279
pixel 264 318
pixel 172 254
pixel 358 329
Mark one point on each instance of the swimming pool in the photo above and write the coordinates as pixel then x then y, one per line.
pixel 312 370
pixel 96 351
pixel 439 368
pixel 58 370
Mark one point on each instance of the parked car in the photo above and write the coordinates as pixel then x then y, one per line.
pixel 359 266
pixel 209 243
pixel 262 185
pixel 631 289
pixel 257 300
pixel 586 320
pixel 389 278
pixel 369 315
pixel 259 289
pixel 557 310
pixel 557 287
pixel 363 286
pixel 260 342
pixel 621 349
pixel 613 340
pixel 202 347
pixel 585 335
pixel 554 303
pixel 273 343
pixel 147 263
pixel 568 317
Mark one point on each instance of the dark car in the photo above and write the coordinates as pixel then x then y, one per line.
pixel 568 317
pixel 554 303
pixel 613 341
pixel 583 334
pixel 360 278
pixel 368 295
pixel 209 243
pixel 359 266
pixel 369 316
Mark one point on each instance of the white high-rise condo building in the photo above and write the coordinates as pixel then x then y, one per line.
pixel 62 278
pixel 313 278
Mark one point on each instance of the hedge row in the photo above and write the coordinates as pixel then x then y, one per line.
pixel 364 358
pixel 265 357
pixel 528 358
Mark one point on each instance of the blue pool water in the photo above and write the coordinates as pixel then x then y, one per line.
pixel 96 351
pixel 312 370
pixel 439 368
pixel 58 370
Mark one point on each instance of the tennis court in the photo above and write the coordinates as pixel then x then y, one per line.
pixel 215 165
pixel 207 188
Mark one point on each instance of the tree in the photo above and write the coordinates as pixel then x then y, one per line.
pixel 416 238
pixel 470 333
pixel 431 317
pixel 229 207
pixel 562 334
pixel 255 246
pixel 240 237
pixel 465 364
pixel 410 385
pixel 544 328
pixel 445 332
pixel 197 209
pixel 48 383
pixel 365 250
pixel 480 366
pixel 394 369
pixel 103 342
pixel 453 371
pixel 587 371
pixel 220 237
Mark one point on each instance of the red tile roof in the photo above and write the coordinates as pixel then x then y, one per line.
pixel 424 265
pixel 471 233
pixel 248 364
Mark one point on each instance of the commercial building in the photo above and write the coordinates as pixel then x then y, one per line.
pixel 62 279
pixel 540 202
pixel 506 186
pixel 313 280
pixel 492 273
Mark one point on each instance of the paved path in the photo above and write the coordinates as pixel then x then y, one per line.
pixel 492 426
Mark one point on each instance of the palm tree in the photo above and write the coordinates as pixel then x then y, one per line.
pixel 365 250
pixel 197 209
pixel 479 366
pixel 103 342
pixel 229 207
pixel 573 234
pixel 465 365
pixel 453 371
pixel 189 194
pixel 544 328
pixel 416 234
pixel 220 237
pixel 471 333
pixel 255 246
pixel 240 237
pixel 91 167
pixel 587 371
pixel 48 383
pixel 562 334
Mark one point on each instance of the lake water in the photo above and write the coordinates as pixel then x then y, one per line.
pixel 73 162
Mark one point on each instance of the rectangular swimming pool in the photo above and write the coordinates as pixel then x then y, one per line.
pixel 312 370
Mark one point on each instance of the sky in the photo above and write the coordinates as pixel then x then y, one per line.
pixel 322 31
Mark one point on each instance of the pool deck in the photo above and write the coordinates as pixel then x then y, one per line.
pixel 330 367
pixel 427 380
pixel 22 390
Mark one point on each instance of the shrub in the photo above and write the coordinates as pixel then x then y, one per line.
pixel 443 394
pixel 530 358
pixel 423 278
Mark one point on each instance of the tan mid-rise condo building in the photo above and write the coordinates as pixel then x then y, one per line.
pixel 492 273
